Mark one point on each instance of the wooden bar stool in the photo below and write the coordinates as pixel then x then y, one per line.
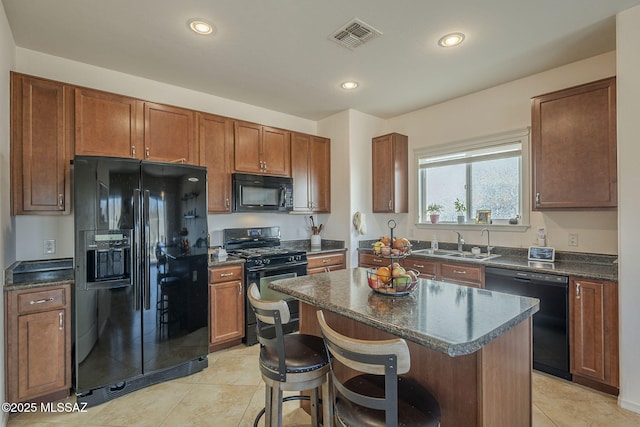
pixel 378 397
pixel 292 362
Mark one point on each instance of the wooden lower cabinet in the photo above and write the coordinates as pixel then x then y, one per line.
pixel 462 274
pixel 427 269
pixel 38 344
pixel 368 260
pixel 327 261
pixel 593 306
pixel 226 306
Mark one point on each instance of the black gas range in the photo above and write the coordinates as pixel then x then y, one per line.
pixel 265 261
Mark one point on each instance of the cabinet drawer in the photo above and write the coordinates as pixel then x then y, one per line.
pixel 426 268
pixel 370 260
pixel 326 260
pixel 225 274
pixel 40 300
pixel 461 273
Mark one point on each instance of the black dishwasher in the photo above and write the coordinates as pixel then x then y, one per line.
pixel 550 324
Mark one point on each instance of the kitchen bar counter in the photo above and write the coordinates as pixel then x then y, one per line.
pixel 470 347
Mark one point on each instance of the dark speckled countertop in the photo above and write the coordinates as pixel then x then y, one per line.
pixel 449 318
pixel 30 274
pixel 590 266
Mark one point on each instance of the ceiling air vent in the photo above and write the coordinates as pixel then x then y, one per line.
pixel 354 33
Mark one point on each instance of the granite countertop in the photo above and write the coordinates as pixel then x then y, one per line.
pixel 445 317
pixel 30 274
pixel 590 266
pixel 214 261
pixel 305 245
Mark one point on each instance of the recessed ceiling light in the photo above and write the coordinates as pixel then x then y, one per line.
pixel 201 27
pixel 349 85
pixel 451 40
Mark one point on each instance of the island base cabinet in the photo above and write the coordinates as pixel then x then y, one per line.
pixel 38 344
pixel 491 387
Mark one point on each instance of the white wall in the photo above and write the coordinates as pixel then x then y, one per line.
pixel 628 62
pixel 7 234
pixel 504 108
pixel 33 230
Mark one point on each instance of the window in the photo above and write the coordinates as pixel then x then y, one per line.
pixel 485 174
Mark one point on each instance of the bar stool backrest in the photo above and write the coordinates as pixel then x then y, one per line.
pixel 270 315
pixel 382 357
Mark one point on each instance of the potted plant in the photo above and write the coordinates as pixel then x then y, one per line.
pixel 460 209
pixel 434 210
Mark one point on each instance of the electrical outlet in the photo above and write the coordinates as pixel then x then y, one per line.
pixel 573 239
pixel 49 247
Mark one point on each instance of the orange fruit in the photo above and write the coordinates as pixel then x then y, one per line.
pixel 384 274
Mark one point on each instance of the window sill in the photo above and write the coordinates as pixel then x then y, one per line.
pixel 473 226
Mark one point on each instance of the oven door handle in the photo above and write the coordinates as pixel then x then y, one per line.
pixel 277 267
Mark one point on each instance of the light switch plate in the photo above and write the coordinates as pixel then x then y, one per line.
pixel 49 247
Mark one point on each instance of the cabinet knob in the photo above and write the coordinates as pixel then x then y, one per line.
pixel 226 274
pixel 133 151
pixel 146 152
pixel 460 271
pixel 226 202
pixel 537 198
pixel 60 201
pixel 61 320
pixel 577 290
pixel 390 202
pixel 239 288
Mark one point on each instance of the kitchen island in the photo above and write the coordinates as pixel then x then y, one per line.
pixel 470 347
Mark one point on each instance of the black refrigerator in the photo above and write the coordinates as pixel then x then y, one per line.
pixel 140 294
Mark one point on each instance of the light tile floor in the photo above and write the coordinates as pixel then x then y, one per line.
pixel 230 392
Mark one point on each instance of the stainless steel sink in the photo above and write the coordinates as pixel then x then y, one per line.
pixel 456 254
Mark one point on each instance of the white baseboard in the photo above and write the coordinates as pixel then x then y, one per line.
pixel 629 405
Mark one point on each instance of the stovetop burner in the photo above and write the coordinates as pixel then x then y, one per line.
pixel 263 252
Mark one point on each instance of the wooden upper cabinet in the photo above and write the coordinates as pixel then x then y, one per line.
pixel 41 124
pixel 169 134
pixel 107 124
pixel 216 153
pixel 311 172
pixel 390 173
pixel 261 150
pixel 573 145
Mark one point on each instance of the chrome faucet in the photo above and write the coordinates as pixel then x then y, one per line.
pixel 460 242
pixel 488 240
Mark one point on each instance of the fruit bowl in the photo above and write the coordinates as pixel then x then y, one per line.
pixel 394 282
pixel 399 248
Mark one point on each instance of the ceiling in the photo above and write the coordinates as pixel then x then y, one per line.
pixel 277 53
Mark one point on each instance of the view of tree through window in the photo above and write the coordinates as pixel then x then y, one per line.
pixel 487 178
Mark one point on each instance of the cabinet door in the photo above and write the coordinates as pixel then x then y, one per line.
pixel 324 262
pixel 300 145
pixel 573 147
pixel 226 311
pixel 247 142
pixel 216 150
pixel 41 122
pixel 41 334
pixel 320 174
pixel 427 269
pixel 276 151
pixel 462 274
pixel 107 124
pixel 169 134
pixel 390 173
pixel 594 330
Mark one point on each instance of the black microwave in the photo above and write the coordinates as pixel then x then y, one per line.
pixel 262 193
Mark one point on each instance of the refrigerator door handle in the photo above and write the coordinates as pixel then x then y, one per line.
pixel 146 260
pixel 137 249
